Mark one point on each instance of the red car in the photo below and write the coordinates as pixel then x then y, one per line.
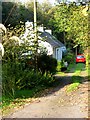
pixel 80 59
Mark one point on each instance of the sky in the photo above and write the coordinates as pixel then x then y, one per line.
pixel 40 1
pixel 51 1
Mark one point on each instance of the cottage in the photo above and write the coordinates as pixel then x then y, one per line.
pixel 53 46
pixel 56 48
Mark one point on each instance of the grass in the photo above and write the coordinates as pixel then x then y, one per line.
pixel 22 98
pixel 60 73
pixel 76 78
pixel 72 87
pixel 70 67
pixel 89 74
pixel 88 65
pixel 10 105
pixel 58 66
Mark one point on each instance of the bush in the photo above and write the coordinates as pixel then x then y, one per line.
pixel 32 79
pixel 69 58
pixel 11 72
pixel 88 65
pixel 19 73
pixel 15 78
pixel 47 64
pixel 59 66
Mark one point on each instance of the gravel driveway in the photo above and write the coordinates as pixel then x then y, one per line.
pixel 58 103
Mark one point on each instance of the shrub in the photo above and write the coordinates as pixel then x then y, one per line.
pixel 69 57
pixel 11 72
pixel 88 65
pixel 15 78
pixel 47 64
pixel 32 79
pixel 59 66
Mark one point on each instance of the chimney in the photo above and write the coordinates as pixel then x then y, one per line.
pixel 49 31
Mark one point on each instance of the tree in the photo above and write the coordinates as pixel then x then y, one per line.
pixel 13 13
pixel 78 26
pixel 43 14
pixel 70 20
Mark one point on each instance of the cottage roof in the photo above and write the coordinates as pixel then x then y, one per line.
pixel 51 39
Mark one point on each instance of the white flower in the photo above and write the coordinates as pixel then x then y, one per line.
pixel 1 49
pixel 3 28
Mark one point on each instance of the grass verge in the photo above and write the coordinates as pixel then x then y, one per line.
pixel 76 78
pixel 72 87
pixel 23 97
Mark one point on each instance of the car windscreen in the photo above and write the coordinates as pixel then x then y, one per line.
pixel 80 57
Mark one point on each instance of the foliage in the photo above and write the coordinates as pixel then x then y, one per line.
pixel 31 80
pixel 70 20
pixel 72 87
pixel 15 78
pixel 68 1
pixel 76 79
pixel 47 64
pixel 59 65
pixel 88 64
pixel 22 83
pixel 17 12
pixel 11 72
pixel 43 14
pixel 69 57
pixel 13 13
pixel 16 75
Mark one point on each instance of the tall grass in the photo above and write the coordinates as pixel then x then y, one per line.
pixel 15 78
pixel 19 83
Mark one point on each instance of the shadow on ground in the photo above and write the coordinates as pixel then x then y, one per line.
pixel 69 77
pixel 62 81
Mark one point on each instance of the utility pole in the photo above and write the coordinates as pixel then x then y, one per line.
pixel 35 16
pixel 35 32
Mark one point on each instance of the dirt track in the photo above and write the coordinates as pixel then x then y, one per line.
pixel 58 103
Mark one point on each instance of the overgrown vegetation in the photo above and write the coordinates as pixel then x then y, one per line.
pixel 76 79
pixel 69 57
pixel 20 78
pixel 23 83
pixel 88 64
